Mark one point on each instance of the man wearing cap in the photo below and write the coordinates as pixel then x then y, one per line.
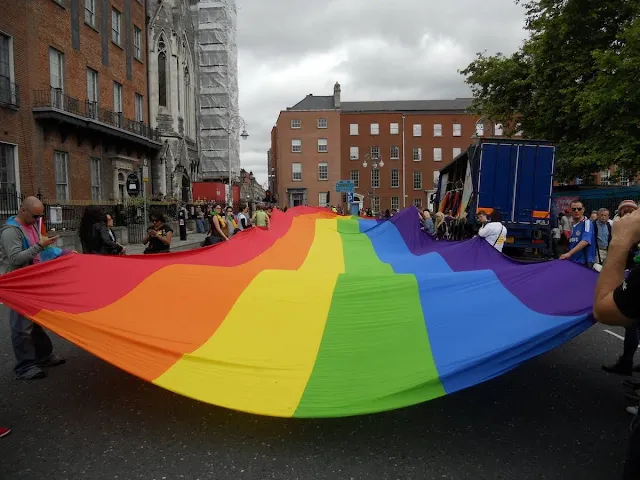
pixel 616 303
pixel 624 365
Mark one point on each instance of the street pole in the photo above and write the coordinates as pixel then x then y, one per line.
pixel 230 195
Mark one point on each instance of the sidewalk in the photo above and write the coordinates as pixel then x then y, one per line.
pixel 193 241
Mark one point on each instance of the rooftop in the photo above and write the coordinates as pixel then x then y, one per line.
pixel 457 104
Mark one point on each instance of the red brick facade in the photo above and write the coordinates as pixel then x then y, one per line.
pixel 38 130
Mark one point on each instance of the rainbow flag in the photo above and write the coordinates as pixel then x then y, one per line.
pixel 321 316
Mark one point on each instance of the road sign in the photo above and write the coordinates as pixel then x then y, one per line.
pixel 345 186
pixel 133 185
pixel 145 174
pixel 350 197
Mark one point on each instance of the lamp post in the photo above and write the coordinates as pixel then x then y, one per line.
pixel 236 122
pixel 375 164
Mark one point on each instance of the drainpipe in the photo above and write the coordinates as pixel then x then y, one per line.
pixel 404 174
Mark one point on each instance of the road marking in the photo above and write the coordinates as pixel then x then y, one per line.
pixel 614 334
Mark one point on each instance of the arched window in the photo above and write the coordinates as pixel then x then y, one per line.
pixel 162 73
pixel 187 101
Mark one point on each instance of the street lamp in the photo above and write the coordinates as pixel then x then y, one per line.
pixel 375 164
pixel 236 122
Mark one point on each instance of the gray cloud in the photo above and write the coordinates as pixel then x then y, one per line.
pixel 407 49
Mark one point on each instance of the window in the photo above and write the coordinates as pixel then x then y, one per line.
pixel 56 77
pixel 94 165
pixel 376 205
pixel 117 104
pixel 395 203
pixel 436 177
pixel 394 129
pixel 417 130
pixel 90 12
pixel 395 178
pixel 457 130
pixel 375 178
pixel 498 130
pixel 323 171
pixel 323 200
pixel 188 108
pixel 394 154
pixel 623 179
pixel 518 129
pixel 437 154
pixel 417 202
pixel 296 145
pixel 60 161
pixel 354 176
pixel 417 180
pixel 296 124
pixel 116 16
pixel 605 177
pixel 375 129
pixel 93 90
pixel 437 129
pixel 456 151
pixel 353 129
pixel 138 108
pixel 8 167
pixel 323 147
pixel 354 153
pixel 137 43
pixel 375 153
pixel 6 69
pixel 162 73
pixel 296 172
pixel 56 69
pixel 322 123
pixel 417 154
pixel 480 129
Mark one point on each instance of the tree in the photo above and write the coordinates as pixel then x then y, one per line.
pixel 573 82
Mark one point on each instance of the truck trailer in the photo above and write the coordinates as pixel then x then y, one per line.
pixel 514 177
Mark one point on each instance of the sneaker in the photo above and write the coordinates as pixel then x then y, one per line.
pixel 4 431
pixel 619 369
pixel 33 373
pixel 632 410
pixel 52 360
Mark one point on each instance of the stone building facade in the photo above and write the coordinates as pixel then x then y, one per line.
pixel 173 103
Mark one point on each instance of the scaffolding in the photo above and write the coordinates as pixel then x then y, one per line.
pixel 217 54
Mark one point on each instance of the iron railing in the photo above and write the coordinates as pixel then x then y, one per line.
pixel 9 93
pixel 57 99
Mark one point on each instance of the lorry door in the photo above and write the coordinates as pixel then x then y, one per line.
pixel 498 163
pixel 533 185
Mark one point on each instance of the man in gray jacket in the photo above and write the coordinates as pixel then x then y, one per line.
pixel 20 246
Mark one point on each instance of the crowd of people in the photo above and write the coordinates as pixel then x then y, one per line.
pixel 610 246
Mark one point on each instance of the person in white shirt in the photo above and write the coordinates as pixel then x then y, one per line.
pixel 494 232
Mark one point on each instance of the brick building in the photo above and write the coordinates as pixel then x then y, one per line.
pixel 73 98
pixel 413 139
pixel 306 151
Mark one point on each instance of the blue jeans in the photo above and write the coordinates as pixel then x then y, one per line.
pixel 200 226
pixel 31 344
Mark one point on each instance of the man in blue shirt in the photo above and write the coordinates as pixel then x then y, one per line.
pixel 582 243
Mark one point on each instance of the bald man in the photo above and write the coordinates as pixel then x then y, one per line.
pixel 20 246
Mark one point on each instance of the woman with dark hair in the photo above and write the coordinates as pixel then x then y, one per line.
pixel 159 234
pixel 216 232
pixel 494 232
pixel 95 235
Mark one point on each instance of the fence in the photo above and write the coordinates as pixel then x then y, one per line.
pixel 64 217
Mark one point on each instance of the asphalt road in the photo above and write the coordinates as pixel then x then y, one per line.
pixel 556 417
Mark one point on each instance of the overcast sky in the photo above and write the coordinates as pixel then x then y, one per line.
pixel 376 49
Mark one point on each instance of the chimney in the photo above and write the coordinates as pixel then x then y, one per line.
pixel 336 95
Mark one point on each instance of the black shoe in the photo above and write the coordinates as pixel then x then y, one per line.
pixel 32 373
pixel 634 384
pixel 635 395
pixel 52 360
pixel 619 369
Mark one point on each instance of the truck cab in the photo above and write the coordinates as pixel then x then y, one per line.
pixel 514 177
